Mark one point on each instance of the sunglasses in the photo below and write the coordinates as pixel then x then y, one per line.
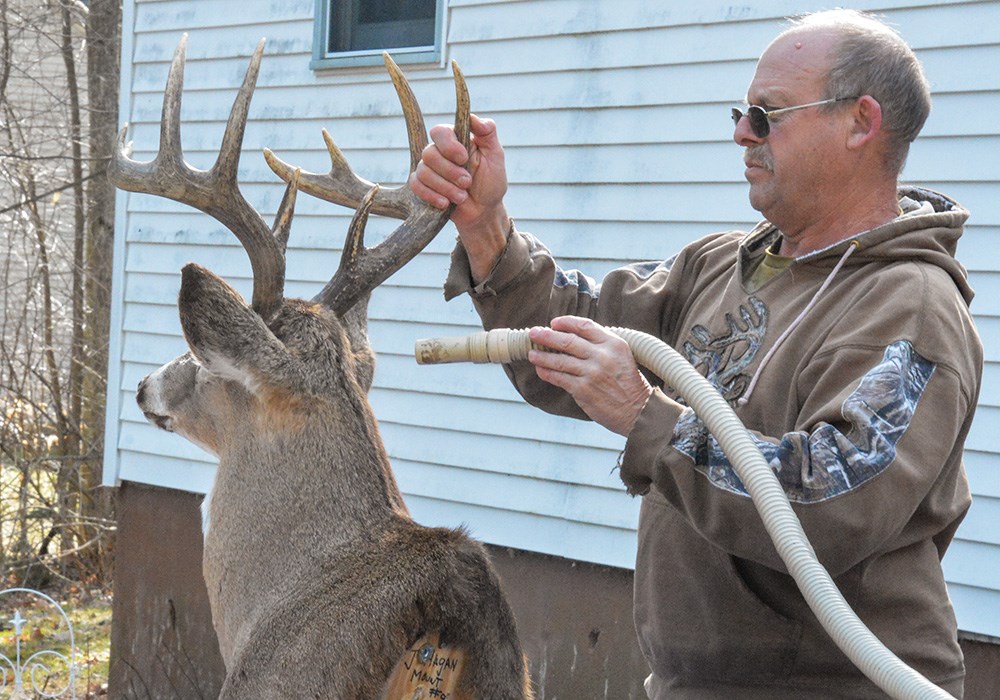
pixel 759 124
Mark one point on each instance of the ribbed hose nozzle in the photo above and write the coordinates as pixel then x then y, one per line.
pixel 498 346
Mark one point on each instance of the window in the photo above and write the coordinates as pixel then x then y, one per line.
pixel 356 32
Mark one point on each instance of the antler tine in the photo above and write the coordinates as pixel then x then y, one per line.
pixel 416 132
pixel 363 270
pixel 227 163
pixel 215 191
pixel 170 115
pixel 354 245
pixel 286 210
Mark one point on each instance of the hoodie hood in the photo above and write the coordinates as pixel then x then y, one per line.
pixel 930 236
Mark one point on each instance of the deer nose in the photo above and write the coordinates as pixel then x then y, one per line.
pixel 140 394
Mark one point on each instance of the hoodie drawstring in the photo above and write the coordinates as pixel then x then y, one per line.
pixel 745 398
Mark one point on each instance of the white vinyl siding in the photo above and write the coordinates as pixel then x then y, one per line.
pixel 615 120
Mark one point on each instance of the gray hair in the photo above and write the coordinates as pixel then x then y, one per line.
pixel 872 59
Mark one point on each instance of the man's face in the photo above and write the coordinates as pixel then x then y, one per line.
pixel 798 160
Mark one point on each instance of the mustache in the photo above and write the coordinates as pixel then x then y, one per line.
pixel 759 155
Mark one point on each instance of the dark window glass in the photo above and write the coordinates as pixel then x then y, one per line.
pixel 356 25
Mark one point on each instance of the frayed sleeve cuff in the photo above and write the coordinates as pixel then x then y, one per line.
pixel 511 263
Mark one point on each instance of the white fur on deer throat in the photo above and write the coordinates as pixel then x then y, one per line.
pixel 156 403
pixel 206 506
pixel 221 367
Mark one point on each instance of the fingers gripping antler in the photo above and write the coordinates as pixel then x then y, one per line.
pixel 214 191
pixel 362 269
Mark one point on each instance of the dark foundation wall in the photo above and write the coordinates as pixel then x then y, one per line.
pixel 162 642
pixel 575 619
pixel 982 668
pixel 575 623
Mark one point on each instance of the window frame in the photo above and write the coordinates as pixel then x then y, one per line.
pixel 322 59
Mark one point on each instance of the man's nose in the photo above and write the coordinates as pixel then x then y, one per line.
pixel 743 134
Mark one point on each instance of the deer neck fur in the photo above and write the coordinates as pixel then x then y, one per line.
pixel 322 458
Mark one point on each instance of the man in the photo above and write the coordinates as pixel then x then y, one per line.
pixel 839 331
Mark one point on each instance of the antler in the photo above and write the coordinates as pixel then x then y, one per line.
pixel 362 269
pixel 214 191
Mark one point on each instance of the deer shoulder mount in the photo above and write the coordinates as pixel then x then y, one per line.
pixel 319 581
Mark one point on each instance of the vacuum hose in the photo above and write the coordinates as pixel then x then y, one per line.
pixel 872 657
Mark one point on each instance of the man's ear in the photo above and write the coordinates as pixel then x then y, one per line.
pixel 866 122
pixel 225 334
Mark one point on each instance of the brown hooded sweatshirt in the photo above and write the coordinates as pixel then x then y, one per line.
pixel 857 370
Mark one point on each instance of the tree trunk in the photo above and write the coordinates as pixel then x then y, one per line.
pixel 103 52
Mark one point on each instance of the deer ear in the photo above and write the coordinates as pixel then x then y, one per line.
pixel 224 333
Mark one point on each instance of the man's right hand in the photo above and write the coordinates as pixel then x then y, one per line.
pixel 475 181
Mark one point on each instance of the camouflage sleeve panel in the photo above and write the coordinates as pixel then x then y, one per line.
pixel 819 465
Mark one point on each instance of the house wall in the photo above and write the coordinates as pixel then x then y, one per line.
pixel 618 141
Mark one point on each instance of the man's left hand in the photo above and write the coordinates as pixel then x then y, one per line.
pixel 596 367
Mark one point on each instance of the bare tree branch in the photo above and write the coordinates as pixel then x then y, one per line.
pixel 48 193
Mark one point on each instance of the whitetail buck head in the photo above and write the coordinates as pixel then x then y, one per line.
pixel 317 577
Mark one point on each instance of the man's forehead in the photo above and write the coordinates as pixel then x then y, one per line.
pixel 794 66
